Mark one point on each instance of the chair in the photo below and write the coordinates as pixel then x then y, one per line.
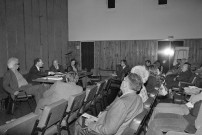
pixel 90 95
pixel 137 124
pixel 51 115
pixel 73 111
pixel 95 77
pixel 21 97
pixel 21 126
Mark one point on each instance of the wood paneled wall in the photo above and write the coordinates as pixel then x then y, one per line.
pixel 31 29
pixel 109 53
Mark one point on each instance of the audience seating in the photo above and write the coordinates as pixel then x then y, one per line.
pixel 21 126
pixel 137 124
pixel 95 77
pixel 72 112
pixel 51 115
pixel 90 95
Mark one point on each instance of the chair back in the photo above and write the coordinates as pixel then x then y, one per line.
pixel 76 102
pixel 101 86
pixel 52 114
pixel 21 126
pixel 92 92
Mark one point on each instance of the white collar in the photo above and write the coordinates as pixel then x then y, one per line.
pixel 37 68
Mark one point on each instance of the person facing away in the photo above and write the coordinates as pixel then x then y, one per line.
pixel 123 70
pixel 13 81
pixel 60 90
pixel 56 67
pixel 116 117
pixel 36 72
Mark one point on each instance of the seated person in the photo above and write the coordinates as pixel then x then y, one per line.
pixel 144 74
pixel 13 81
pixel 159 66
pixel 183 76
pixel 177 68
pixel 153 80
pixel 174 117
pixel 60 90
pixel 56 67
pixel 73 66
pixel 36 72
pixel 123 70
pixel 119 114
pixel 147 64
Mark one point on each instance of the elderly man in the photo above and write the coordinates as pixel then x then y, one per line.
pixel 56 67
pixel 36 72
pixel 13 81
pixel 60 90
pixel 119 114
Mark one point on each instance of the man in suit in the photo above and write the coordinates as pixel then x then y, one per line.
pixel 56 67
pixel 13 81
pixel 36 72
pixel 119 114
pixel 122 70
pixel 60 90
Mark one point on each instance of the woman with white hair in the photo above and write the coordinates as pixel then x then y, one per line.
pixel 144 74
pixel 14 82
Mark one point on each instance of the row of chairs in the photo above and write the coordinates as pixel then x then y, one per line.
pixel 139 123
pixel 51 120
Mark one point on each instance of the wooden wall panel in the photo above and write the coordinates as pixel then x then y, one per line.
pixel 31 29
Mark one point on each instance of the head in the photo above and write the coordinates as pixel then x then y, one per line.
pixel 72 77
pixel 13 63
pixel 147 63
pixel 73 62
pixel 141 71
pixel 123 63
pixel 55 63
pixel 153 70
pixel 131 82
pixel 185 67
pixel 38 62
pixel 178 61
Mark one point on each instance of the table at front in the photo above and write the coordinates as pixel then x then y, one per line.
pixel 51 81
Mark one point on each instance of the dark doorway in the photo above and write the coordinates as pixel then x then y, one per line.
pixel 167 61
pixel 87 55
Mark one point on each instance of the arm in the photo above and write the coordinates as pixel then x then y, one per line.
pixel 6 84
pixel 112 120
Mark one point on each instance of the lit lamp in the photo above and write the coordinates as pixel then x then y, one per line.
pixel 168 52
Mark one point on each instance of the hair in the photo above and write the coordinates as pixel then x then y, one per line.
pixel 71 77
pixel 36 60
pixel 135 81
pixel 153 70
pixel 148 61
pixel 11 62
pixel 124 61
pixel 142 72
pixel 189 65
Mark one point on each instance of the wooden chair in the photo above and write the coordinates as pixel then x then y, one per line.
pixel 90 95
pixel 51 115
pixel 137 124
pixel 72 112
pixel 21 126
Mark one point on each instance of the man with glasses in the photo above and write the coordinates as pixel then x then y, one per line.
pixel 14 82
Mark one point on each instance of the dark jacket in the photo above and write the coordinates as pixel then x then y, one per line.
pixel 121 73
pixel 61 69
pixel 34 73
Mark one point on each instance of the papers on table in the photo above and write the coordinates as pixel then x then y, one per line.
pixel 55 78
pixel 88 116
pixel 189 105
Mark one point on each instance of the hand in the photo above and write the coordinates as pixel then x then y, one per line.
pixel 89 121
pixel 16 93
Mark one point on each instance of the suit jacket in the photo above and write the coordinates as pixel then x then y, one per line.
pixel 61 69
pixel 10 83
pixel 184 76
pixel 34 73
pixel 118 115
pixel 121 73
pixel 59 90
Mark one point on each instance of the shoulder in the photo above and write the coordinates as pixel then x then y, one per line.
pixel 8 73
